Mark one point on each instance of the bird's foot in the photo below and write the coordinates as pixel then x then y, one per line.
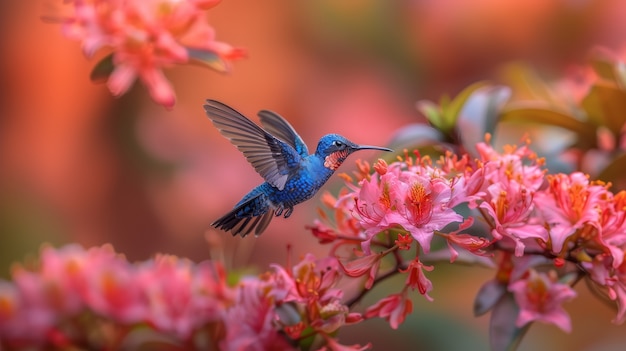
pixel 288 212
pixel 279 210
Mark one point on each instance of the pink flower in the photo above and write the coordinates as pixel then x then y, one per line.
pixel 416 278
pixel 394 308
pixel 146 36
pixel 570 203
pixel 367 264
pixel 471 243
pixel 539 297
pixel 612 280
pixel 333 345
pixel 613 223
pixel 250 322
pixel 418 200
pixel 510 206
pixel 181 297
pixel 425 207
pixel 115 291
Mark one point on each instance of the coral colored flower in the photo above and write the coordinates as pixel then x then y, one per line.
pixel 394 308
pixel 404 241
pixel 416 278
pixel 540 297
pixel 146 36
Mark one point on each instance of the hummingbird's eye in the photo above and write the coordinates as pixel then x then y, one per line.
pixel 338 143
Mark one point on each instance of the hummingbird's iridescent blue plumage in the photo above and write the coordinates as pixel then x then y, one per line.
pixel 280 156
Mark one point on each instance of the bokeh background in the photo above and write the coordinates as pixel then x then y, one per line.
pixel 78 165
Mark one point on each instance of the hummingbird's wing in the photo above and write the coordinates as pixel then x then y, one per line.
pixel 280 128
pixel 273 159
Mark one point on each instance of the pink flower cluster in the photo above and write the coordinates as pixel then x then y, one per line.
pixel 146 36
pixel 528 219
pixel 72 297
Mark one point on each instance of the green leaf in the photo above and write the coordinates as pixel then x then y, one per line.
pixel 452 111
pixel 542 114
pixel 102 70
pixel 605 104
pixel 432 112
pixel 504 335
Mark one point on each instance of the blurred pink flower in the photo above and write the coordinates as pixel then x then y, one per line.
pixel 251 321
pixel 612 280
pixel 179 299
pixel 539 297
pixel 613 228
pixel 147 36
pixel 394 308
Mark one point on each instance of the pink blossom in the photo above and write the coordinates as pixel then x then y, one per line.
pixel 115 291
pixel 510 206
pixel 394 308
pixel 539 297
pixel 366 264
pixel 613 227
pixel 178 299
pixel 333 345
pixel 417 200
pixel 146 36
pixel 612 280
pixel 570 203
pixel 416 278
pixel 425 207
pixel 471 243
pixel 250 322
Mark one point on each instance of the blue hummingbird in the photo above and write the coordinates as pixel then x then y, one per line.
pixel 281 157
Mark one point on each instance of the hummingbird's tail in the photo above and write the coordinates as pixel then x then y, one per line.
pixel 242 219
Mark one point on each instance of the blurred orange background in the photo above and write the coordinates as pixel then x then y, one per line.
pixel 78 165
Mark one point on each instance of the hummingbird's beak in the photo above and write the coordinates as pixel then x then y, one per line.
pixel 370 147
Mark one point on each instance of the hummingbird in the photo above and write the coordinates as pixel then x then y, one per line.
pixel 281 157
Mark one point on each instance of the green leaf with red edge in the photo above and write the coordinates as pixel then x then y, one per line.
pixel 488 296
pixel 537 112
pixel 605 105
pixel 102 70
pixel 504 335
pixel 614 172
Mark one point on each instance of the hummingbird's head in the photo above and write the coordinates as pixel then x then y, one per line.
pixel 334 149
